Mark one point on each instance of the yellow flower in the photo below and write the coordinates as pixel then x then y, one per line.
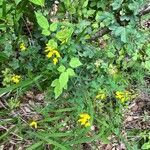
pixel 123 96
pixel 22 47
pixel 85 115
pixel 50 54
pixel 56 53
pixel 16 78
pixel 55 61
pixel 48 48
pixel 84 119
pixel 33 124
pixel 87 124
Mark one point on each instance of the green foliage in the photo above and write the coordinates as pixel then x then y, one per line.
pixel 38 2
pixel 56 50
pixel 75 62
pixel 43 23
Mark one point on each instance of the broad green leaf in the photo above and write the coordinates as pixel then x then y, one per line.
pixel 146 146
pixel 117 4
pixel 52 44
pixel 85 3
pixel 63 79
pixel 64 34
pixel 42 21
pixel 58 90
pixel 55 83
pixel 122 32
pixel 46 32
pixel 61 68
pixel 38 2
pixel 53 26
pixel 70 72
pixel 135 6
pixel 75 62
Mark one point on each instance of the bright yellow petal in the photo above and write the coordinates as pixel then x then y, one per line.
pixel 33 124
pixel 55 61
pixel 49 55
pixel 82 121
pixel 87 124
pixel 56 53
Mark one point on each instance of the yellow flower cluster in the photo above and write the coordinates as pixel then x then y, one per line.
pixel 16 78
pixel 84 119
pixel 123 96
pixel 52 53
pixel 33 124
pixel 22 47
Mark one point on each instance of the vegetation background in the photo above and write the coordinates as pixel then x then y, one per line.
pixel 74 74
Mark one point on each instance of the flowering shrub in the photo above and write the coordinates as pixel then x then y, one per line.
pixel 84 55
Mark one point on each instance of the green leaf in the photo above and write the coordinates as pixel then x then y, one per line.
pixel 122 32
pixel 52 44
pixel 64 34
pixel 75 62
pixel 42 21
pixel 46 32
pixel 85 3
pixel 58 90
pixel 53 26
pixel 55 83
pixel 117 4
pixel 70 72
pixel 38 2
pixel 63 79
pixel 61 68
pixel 146 145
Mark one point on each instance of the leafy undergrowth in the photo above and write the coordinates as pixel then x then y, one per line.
pixel 74 74
pixel 57 125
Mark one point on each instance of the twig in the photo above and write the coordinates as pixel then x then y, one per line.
pixel 145 10
pixel 100 33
